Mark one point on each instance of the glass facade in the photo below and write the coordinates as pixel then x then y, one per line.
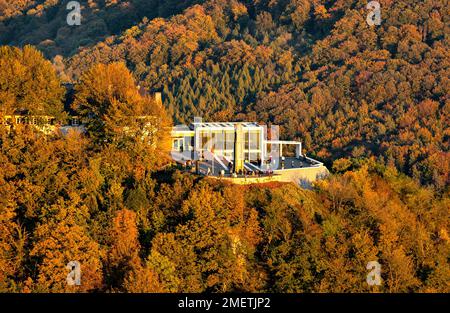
pixel 221 142
pixel 204 140
pixel 201 141
pixel 229 144
pixel 254 138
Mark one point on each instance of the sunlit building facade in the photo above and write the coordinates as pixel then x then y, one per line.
pixel 245 145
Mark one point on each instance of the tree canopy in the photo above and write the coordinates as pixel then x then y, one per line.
pixel 28 83
pixel 371 102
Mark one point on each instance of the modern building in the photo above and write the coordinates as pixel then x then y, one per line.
pixel 237 149
pixel 229 150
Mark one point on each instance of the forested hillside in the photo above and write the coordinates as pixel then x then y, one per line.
pixel 314 67
pixel 135 229
pixel 317 69
pixel 43 22
pixel 372 102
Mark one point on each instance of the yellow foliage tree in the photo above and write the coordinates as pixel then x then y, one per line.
pixel 61 237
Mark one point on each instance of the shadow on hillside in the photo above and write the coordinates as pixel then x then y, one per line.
pixel 49 32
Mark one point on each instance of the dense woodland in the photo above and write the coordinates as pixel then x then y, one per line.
pixel 371 102
pixel 314 67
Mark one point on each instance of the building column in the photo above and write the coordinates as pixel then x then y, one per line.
pixel 263 145
pixel 197 142
pixel 298 152
pixel 238 149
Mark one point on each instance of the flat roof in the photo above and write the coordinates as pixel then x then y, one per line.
pixel 227 124
pixel 181 128
pixel 216 126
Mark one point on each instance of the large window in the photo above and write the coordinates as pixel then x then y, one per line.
pixel 229 140
pixel 204 144
pixel 218 140
pixel 254 140
pixel 188 143
pixel 177 144
pixel 246 140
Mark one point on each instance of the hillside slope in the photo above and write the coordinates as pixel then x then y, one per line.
pixel 43 22
pixel 315 67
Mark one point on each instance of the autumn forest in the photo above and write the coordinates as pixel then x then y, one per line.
pixel 370 101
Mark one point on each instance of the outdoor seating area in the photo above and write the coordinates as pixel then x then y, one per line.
pixel 235 150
